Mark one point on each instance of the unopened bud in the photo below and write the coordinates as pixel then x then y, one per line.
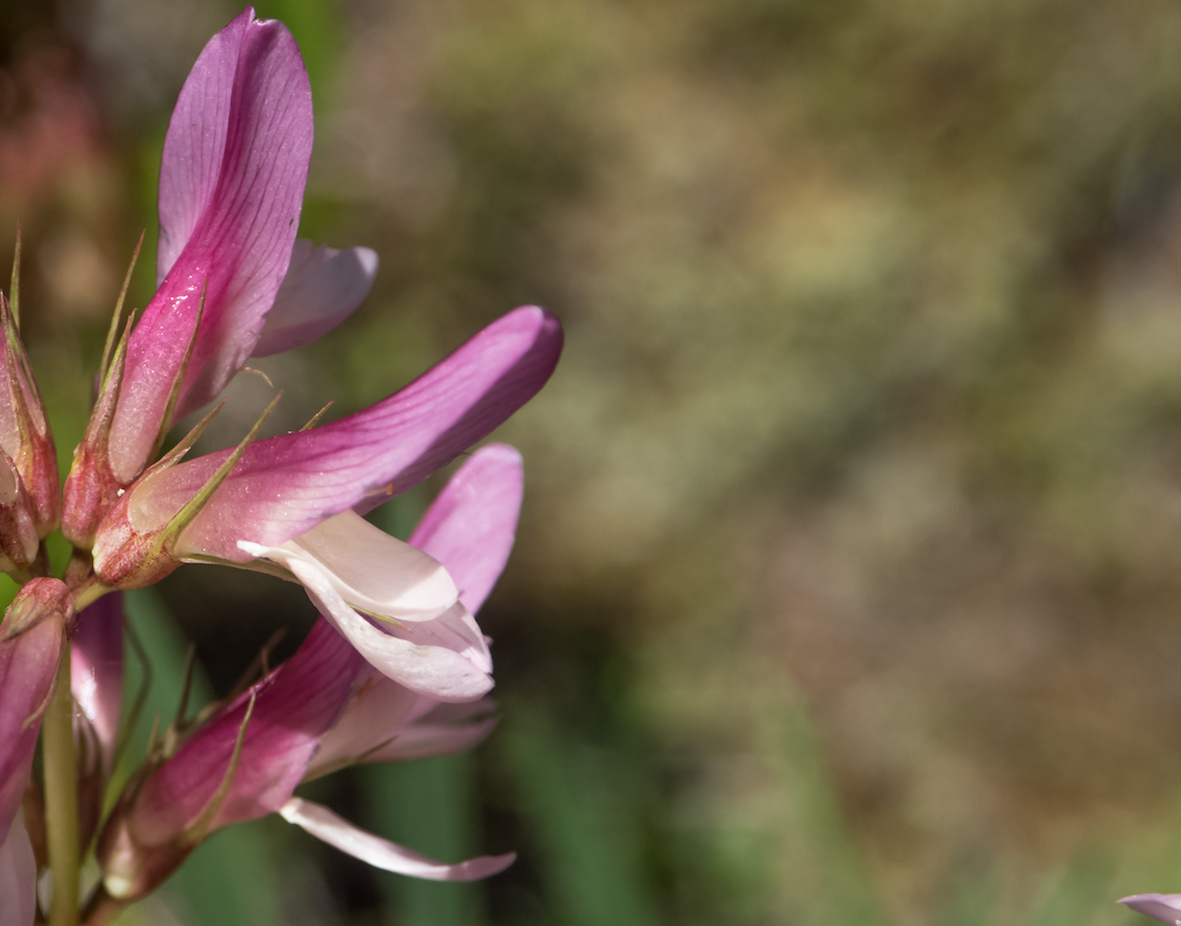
pixel 38 600
pixel 24 429
pixel 132 867
pixel 18 527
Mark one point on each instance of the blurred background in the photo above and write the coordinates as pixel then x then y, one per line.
pixel 848 588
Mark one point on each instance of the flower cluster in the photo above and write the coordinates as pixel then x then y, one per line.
pixel 396 668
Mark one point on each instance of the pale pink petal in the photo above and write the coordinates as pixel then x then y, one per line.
pixel 96 670
pixel 379 709
pixel 28 667
pixel 471 525
pixel 322 288
pixel 285 486
pixel 295 705
pixel 435 670
pixel 231 188
pixel 448 729
pixel 18 876
pixel 374 571
pixel 1163 907
pixel 386 722
pixel 381 853
pixel 454 629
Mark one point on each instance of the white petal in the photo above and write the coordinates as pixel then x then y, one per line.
pixel 429 669
pixel 322 288
pixel 381 853
pixel 455 629
pixel 376 572
pixel 18 876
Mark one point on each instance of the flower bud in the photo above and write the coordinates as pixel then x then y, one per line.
pixel 18 528
pixel 24 430
pixel 38 600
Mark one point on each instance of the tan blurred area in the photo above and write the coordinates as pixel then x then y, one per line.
pixel 871 399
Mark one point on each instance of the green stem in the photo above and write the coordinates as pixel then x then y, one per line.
pixel 61 799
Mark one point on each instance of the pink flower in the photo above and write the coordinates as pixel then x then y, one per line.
pixel 235 163
pixel 31 640
pixel 18 876
pixel 293 501
pixel 231 187
pixel 321 710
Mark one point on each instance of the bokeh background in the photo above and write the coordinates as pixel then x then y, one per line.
pixel 848 588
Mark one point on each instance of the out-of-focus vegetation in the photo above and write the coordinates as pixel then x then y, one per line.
pixel 849 584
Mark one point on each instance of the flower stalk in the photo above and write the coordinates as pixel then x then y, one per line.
pixel 61 799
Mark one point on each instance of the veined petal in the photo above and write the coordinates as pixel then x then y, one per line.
pixel 294 706
pixel 444 730
pixel 322 288
pixel 18 876
pixel 28 668
pixel 444 671
pixel 285 486
pixel 471 524
pixel 1163 907
pixel 374 571
pixel 96 670
pixel 386 722
pixel 231 187
pixel 381 853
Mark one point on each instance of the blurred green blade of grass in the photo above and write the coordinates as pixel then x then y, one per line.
pixel 846 892
pixel 971 898
pixel 1083 892
pixel 591 864
pixel 431 807
pixel 228 881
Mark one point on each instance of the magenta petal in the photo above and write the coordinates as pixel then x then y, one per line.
pixel 322 288
pixel 96 670
pixel 1163 907
pixel 28 667
pixel 381 853
pixel 471 525
pixel 18 877
pixel 285 486
pixel 231 187
pixel 294 707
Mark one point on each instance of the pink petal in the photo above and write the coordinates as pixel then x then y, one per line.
pixel 28 668
pixel 231 186
pixel 386 722
pixel 381 853
pixel 443 671
pixel 295 705
pixel 448 729
pixel 1163 907
pixel 18 876
pixel 322 288
pixel 471 525
pixel 285 486
pixel 96 670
